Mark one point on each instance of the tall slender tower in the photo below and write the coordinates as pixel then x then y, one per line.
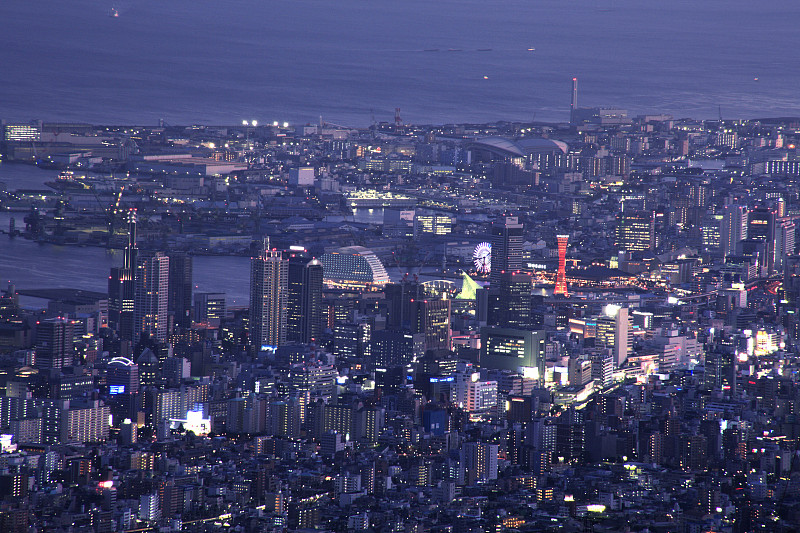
pixel 507 239
pixel 269 284
pixel 574 105
pixel 304 299
pixel 561 276
pixel 180 289
pixel 152 296
pixel 122 286
pixel 733 230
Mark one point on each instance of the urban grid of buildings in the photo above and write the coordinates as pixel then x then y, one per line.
pixel 588 326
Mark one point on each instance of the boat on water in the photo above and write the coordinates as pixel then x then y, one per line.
pixel 484 49
pixel 66 180
pixel 114 13
pixel 455 49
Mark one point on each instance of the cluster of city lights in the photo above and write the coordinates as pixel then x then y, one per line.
pixel 254 123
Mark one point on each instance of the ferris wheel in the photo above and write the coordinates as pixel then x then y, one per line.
pixel 482 257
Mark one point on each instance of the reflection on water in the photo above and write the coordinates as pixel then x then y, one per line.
pixel 31 265
pixel 22 176
pixel 368 216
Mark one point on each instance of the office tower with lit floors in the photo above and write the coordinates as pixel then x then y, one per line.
pixel 635 232
pixel 513 303
pixel 304 297
pixel 507 239
pixel 152 295
pixel 210 307
pixel 269 284
pixel 410 308
pixel 614 332
pixel 761 225
pixel 122 287
pixel 561 275
pixel 733 229
pixel 54 347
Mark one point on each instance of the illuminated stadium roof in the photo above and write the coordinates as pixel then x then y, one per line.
pixel 518 148
pixel 353 267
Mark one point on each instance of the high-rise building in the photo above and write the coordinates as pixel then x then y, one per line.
pixel 87 423
pixel 210 307
pixel 514 349
pixel 304 298
pixel 147 368
pixel 561 275
pixel 180 289
pixel 122 376
pixel 614 331
pixel 784 243
pixel 351 341
pixel 269 282
pixel 401 312
pixel 54 348
pixel 761 226
pixel 122 287
pixel 393 348
pixel 513 304
pixel 579 371
pixel 573 106
pixel 410 308
pixel 152 296
pixel 635 231
pixel 507 239
pixel 480 462
pixel 603 369
pixel 760 223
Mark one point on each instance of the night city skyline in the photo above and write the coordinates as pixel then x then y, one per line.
pixel 413 268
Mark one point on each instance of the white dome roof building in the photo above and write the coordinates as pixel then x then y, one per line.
pixel 353 267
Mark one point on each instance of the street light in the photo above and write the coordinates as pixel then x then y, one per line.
pixel 254 123
pixel 245 123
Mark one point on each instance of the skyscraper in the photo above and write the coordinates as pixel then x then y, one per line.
pixel 513 303
pixel 507 239
pixel 561 276
pixel 180 289
pixel 614 331
pixel 734 229
pixel 210 307
pixel 635 231
pixel 122 287
pixel 152 294
pixel 269 280
pixel 574 104
pixel 784 242
pixel 480 462
pixel 304 298
pixel 54 348
pixel 761 227
pixel 409 308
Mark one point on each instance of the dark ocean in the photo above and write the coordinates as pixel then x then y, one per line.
pixel 293 60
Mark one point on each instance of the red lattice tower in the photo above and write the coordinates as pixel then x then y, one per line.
pixel 561 277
